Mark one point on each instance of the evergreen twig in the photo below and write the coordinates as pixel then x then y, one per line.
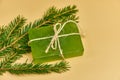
pixel 14 41
pixel 51 17
pixel 37 68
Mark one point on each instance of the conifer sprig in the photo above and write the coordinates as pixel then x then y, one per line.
pixel 14 41
pixel 51 17
pixel 25 68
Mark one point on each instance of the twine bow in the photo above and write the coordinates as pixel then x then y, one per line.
pixel 55 40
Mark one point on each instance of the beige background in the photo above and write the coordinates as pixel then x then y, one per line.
pixel 100 20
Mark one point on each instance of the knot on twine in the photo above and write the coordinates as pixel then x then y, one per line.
pixel 55 40
pixel 54 43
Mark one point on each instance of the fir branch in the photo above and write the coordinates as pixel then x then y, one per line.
pixel 51 17
pixel 37 68
pixel 14 38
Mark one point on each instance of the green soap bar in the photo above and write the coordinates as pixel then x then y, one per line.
pixel 71 45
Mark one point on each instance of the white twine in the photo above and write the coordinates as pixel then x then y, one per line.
pixel 55 39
